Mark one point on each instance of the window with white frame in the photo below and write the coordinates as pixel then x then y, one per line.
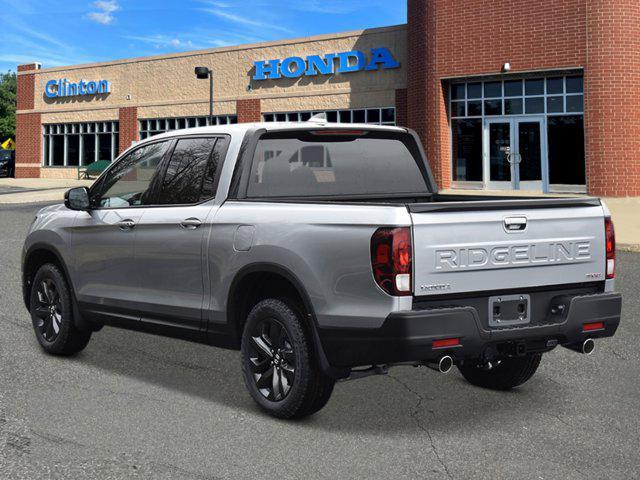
pixel 375 116
pixel 77 144
pixel 153 126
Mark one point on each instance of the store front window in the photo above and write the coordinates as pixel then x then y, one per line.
pixel 154 126
pixel 525 133
pixel 374 116
pixel 77 144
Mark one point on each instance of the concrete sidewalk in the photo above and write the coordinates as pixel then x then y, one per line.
pixel 625 211
pixel 36 190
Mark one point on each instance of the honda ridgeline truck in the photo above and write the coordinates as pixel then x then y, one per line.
pixel 321 252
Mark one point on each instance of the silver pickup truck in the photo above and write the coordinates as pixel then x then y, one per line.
pixel 321 252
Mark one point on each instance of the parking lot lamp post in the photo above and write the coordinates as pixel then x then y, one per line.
pixel 203 73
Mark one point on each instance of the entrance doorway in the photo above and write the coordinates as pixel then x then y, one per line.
pixel 514 153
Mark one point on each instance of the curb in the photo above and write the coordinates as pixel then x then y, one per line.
pixel 628 247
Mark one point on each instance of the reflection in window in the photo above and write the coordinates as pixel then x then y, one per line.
pixel 128 183
pixel 182 183
pixel 467 149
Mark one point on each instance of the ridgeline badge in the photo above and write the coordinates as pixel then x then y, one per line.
pixel 64 88
pixel 347 62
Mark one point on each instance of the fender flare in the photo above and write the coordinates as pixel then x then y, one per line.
pixel 78 320
pixel 312 321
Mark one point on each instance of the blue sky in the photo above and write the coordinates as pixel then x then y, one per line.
pixel 59 33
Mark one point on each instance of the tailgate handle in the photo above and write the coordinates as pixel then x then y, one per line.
pixel 515 224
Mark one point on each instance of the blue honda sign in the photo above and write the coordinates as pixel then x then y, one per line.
pixel 64 88
pixel 346 62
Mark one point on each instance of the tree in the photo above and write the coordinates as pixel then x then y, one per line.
pixel 8 86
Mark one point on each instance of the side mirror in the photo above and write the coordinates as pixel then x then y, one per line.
pixel 77 199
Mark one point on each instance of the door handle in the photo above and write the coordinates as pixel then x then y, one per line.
pixel 190 223
pixel 127 224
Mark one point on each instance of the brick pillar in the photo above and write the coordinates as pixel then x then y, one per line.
pixel 28 125
pixel 426 103
pixel 612 90
pixel 401 107
pixel 248 110
pixel 128 125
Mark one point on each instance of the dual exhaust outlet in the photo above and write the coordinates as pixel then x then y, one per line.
pixel 445 363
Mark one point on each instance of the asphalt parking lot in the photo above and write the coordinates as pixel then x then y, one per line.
pixel 139 406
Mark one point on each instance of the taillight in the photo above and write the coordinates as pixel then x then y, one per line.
pixel 391 259
pixel 610 239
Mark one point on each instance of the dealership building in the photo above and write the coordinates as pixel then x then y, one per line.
pixel 505 94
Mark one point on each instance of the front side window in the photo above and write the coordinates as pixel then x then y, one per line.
pixel 321 163
pixel 190 173
pixel 129 182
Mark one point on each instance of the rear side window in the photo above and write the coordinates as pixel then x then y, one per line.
pixel 307 164
pixel 190 175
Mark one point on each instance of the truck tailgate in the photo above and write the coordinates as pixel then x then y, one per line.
pixel 472 250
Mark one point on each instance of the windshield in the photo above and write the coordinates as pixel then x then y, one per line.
pixel 336 163
pixel 5 154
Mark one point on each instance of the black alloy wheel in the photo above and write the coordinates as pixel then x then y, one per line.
pixel 273 360
pixel 48 311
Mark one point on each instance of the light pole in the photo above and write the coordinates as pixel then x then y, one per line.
pixel 203 73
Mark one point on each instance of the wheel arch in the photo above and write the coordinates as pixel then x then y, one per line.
pixel 242 295
pixel 37 255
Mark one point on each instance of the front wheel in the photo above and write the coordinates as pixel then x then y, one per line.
pixel 52 313
pixel 278 365
pixel 503 374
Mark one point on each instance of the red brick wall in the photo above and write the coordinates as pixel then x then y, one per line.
pixel 248 110
pixel 28 145
pixel 25 91
pixel 128 127
pixel 28 126
pixel 401 107
pixel 448 39
pixel 612 88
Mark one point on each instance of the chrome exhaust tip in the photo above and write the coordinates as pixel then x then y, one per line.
pixel 588 346
pixel 443 365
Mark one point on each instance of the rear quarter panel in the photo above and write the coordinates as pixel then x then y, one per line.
pixel 325 246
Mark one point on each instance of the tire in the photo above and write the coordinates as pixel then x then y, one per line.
pixel 52 313
pixel 507 374
pixel 276 346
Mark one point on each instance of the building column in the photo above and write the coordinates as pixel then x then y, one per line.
pixel 612 89
pixel 28 125
pixel 401 107
pixel 426 98
pixel 128 128
pixel 248 110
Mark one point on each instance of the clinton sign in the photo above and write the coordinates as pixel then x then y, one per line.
pixel 331 63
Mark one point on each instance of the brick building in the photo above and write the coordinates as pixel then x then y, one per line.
pixel 505 94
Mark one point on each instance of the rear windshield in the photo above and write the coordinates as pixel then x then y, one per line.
pixel 312 164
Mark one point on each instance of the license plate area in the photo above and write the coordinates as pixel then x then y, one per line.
pixel 508 310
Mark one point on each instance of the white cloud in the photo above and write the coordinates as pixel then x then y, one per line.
pixel 164 41
pixel 232 17
pixel 105 8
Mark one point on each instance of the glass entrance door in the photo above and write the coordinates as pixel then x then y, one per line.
pixel 514 153
pixel 498 154
pixel 529 149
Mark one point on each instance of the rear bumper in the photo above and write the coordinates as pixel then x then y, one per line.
pixel 407 336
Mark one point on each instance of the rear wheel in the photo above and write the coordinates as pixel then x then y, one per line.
pixel 278 366
pixel 501 375
pixel 52 313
